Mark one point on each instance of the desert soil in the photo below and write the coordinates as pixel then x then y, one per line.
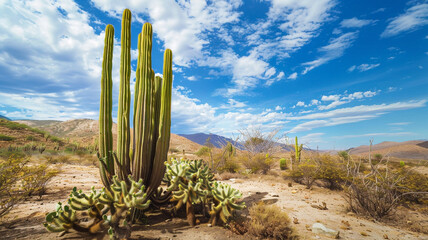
pixel 25 221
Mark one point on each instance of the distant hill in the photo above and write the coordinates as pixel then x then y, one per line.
pixel 217 140
pixel 3 117
pixel 416 149
pixel 85 131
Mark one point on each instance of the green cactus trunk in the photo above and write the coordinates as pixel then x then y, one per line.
pixel 298 149
pixel 123 128
pixel 105 121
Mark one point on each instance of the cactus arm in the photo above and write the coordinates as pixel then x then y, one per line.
pixel 105 122
pixel 164 129
pixel 142 164
pixel 123 128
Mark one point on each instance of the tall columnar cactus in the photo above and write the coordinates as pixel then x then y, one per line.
pixel 152 113
pixel 105 121
pixel 298 150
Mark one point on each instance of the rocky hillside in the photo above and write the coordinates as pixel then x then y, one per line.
pixel 85 131
pixel 417 149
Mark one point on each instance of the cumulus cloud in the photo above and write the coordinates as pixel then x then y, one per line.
pixel 292 76
pixel 414 18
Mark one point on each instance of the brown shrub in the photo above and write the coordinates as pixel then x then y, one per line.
pixel 268 221
pixel 259 163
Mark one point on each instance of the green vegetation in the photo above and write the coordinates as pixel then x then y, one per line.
pixel 191 183
pixel 283 164
pixel 18 180
pixel 19 126
pixel 6 138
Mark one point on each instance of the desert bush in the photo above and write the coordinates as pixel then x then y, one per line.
pixel 6 138
pixel 259 163
pixel 230 165
pixel 282 164
pixel 31 138
pixel 332 171
pixel 36 180
pixel 173 150
pixel 305 172
pixel 343 154
pixel 413 182
pixel 269 222
pixel 203 151
pixel 11 172
pixel 19 180
pixel 18 126
pixel 377 157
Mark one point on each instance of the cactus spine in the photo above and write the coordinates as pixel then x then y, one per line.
pixel 298 150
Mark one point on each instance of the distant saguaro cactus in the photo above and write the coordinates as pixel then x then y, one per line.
pixel 298 150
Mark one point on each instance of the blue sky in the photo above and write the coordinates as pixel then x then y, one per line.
pixel 334 73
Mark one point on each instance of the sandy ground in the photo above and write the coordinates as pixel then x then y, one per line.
pixel 25 221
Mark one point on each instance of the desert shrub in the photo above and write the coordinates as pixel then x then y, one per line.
pixel 306 172
pixel 413 182
pixel 55 139
pixel 6 138
pixel 18 126
pixel 173 150
pixel 18 180
pixel 7 153
pixel 11 172
pixel 282 164
pixel 377 157
pixel 268 221
pixel 203 151
pixel 36 180
pixel 378 191
pixel 259 163
pixel 31 138
pixel 343 154
pixel 332 171
pixel 230 165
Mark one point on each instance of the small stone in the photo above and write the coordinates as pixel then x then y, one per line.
pixel 168 220
pixel 385 236
pixel 318 228
pixel 209 225
pixel 258 193
pixel 294 191
pixel 350 214
pixel 274 195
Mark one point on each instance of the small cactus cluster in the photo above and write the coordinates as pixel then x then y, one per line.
pixel 298 150
pixel 107 208
pixel 283 164
pixel 191 182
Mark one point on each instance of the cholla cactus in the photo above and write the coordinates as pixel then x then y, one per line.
pixel 224 202
pixel 191 182
pixel 107 208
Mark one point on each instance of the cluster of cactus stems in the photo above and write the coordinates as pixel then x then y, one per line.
pixel 107 209
pixel 297 149
pixel 124 173
pixel 191 182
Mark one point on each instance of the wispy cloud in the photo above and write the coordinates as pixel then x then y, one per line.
pixel 399 123
pixel 335 49
pixel 393 134
pixel 355 22
pixel 363 67
pixel 414 18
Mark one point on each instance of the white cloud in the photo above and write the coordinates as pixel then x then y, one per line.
pixel 190 20
pixel 292 76
pixel 394 134
pixel 363 109
pixel 335 49
pixel 330 98
pixel 315 102
pixel 192 78
pixel 300 104
pixel 278 108
pixel 307 126
pixel 414 18
pixel 399 123
pixel 53 48
pixel 363 67
pixel 232 103
pixel 355 22
pixel 312 138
